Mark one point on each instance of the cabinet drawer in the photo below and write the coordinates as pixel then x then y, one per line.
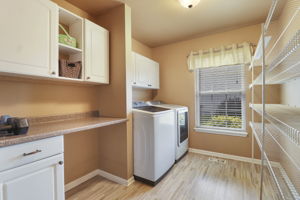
pixel 17 155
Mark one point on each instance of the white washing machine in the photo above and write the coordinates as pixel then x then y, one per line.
pixel 181 127
pixel 153 136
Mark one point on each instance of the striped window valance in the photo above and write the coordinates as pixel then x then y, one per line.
pixel 234 54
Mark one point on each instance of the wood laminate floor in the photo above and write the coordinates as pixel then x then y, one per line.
pixel 195 177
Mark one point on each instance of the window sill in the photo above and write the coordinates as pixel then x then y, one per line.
pixel 222 132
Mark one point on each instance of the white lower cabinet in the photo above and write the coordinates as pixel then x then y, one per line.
pixel 41 179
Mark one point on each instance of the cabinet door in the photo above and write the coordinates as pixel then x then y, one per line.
pixel 29 31
pixel 142 70
pixel 133 69
pixel 96 53
pixel 154 74
pixel 41 180
pixel 146 72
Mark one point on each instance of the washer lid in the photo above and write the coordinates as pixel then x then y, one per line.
pixel 171 106
pixel 152 109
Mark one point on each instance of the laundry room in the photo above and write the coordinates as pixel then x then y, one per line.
pixel 150 100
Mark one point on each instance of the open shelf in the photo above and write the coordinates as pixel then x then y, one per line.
pixel 269 145
pixel 282 61
pixel 284 118
pixel 285 66
pixel 68 50
pixel 281 182
pixel 276 144
pixel 280 169
pixel 73 24
pixel 68 18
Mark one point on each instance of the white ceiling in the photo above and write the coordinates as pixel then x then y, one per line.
pixel 159 22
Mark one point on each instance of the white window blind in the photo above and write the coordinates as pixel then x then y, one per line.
pixel 220 98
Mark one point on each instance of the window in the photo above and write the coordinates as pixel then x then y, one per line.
pixel 220 99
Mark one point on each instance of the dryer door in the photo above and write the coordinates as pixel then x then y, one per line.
pixel 183 126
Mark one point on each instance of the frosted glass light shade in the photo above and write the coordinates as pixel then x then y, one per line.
pixel 189 3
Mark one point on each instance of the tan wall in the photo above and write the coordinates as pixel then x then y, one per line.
pixel 115 146
pixel 140 94
pixel 27 98
pixel 141 48
pixel 74 9
pixel 81 154
pixel 177 86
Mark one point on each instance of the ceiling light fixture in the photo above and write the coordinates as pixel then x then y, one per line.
pixel 189 3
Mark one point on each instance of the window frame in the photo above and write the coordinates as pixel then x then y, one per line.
pixel 220 130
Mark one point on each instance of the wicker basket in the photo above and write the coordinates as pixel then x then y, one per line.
pixel 69 69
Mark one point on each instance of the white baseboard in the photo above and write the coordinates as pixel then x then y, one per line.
pixel 130 181
pixel 226 156
pixel 114 178
pixel 98 172
pixel 231 157
pixel 81 180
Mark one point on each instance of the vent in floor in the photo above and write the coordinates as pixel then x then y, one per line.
pixel 217 160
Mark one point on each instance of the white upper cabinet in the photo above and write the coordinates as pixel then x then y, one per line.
pixel 145 71
pixel 154 74
pixel 142 71
pixel 96 53
pixel 29 31
pixel 29 44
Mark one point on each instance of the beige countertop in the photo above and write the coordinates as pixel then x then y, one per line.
pixel 40 128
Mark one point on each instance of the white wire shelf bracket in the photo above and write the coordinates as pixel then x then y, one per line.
pixel 256 59
pixel 292 157
pixel 289 50
pixel 270 14
pixel 281 35
pixel 275 146
pixel 254 127
pixel 278 167
pixel 285 66
pixel 269 146
pixel 283 189
pixel 284 118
